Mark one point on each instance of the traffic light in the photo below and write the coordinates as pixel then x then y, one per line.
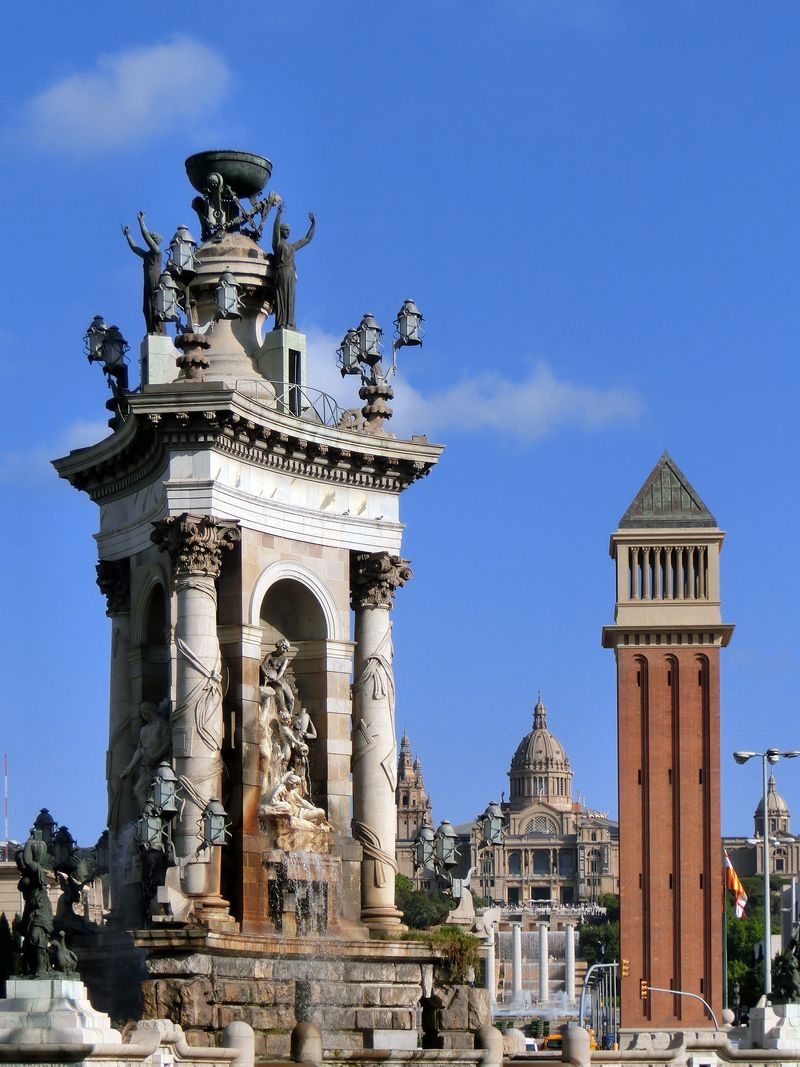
pixel 643 989
pixel 626 968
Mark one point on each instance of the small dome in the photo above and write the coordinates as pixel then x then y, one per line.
pixel 776 805
pixel 540 750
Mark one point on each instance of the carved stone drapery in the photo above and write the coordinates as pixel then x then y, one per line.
pixel 374 578
pixel 195 542
pixel 114 581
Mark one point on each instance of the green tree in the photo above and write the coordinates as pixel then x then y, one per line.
pixel 421 908
pixel 600 941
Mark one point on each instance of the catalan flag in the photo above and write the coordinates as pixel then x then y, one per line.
pixel 733 883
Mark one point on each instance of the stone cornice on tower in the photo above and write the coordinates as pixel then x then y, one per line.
pixel 209 416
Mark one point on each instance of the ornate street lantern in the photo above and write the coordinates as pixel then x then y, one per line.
pixel 444 842
pixel 491 824
pixel 114 348
pixel 166 298
pixel 369 339
pixel 181 253
pixel 94 337
pixel 64 844
pixel 228 299
pixel 163 791
pixel 44 828
pixel 408 325
pixel 214 824
pixel 349 353
pixel 148 832
pixel 424 848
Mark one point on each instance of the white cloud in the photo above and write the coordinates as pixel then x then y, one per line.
pixel 533 406
pixel 34 469
pixel 127 98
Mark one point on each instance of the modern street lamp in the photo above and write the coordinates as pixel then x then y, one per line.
pixel 771 756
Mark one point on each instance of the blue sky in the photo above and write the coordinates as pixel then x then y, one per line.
pixel 594 204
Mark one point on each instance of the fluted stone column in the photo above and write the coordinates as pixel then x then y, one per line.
pixel 569 965
pixel 516 963
pixel 114 580
pixel 544 964
pixel 195 544
pixel 374 577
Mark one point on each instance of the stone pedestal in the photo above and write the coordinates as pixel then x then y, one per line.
pixel 52 1011
pixel 282 361
pixel 157 356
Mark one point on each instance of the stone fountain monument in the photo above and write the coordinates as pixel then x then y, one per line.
pixel 243 522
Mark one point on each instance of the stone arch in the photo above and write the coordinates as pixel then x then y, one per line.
pixel 311 585
pixel 150 634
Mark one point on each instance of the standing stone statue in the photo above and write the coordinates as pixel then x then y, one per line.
pixel 283 251
pixel 273 683
pixel 155 744
pixel 151 264
pixel 36 925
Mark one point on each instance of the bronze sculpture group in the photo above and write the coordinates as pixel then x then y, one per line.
pixel 220 212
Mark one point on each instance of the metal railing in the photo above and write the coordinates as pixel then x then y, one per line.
pixel 310 405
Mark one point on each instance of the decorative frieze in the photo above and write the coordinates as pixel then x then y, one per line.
pixel 374 577
pixel 114 580
pixel 195 542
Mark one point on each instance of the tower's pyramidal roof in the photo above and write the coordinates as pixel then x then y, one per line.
pixel 666 499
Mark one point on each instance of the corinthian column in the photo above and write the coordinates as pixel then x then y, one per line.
pixel 374 577
pixel 195 544
pixel 114 580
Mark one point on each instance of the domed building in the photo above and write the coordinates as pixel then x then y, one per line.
pixel 746 854
pixel 555 848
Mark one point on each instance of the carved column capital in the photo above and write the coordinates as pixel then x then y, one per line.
pixel 195 542
pixel 374 577
pixel 114 580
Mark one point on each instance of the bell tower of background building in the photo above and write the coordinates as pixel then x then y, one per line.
pixel 667 635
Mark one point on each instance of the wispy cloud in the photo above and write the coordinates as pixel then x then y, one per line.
pixel 120 102
pixel 532 406
pixel 33 468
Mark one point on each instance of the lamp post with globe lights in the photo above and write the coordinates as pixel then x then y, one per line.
pixel 770 756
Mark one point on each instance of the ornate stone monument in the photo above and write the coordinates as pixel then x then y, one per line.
pixel 238 526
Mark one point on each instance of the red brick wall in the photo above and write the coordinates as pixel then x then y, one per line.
pixel 670 866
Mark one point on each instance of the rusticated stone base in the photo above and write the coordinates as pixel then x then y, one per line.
pixel 361 994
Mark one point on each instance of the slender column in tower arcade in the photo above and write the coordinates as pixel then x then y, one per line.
pixel 195 544
pixel 374 577
pixel 114 580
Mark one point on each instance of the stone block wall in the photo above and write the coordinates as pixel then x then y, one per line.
pixel 358 999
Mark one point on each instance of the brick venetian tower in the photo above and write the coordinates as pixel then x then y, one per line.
pixel 667 636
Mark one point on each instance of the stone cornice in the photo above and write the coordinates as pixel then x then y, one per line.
pixel 199 416
pixel 664 637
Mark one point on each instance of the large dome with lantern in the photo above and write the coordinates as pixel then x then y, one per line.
pixel 540 768
pixel 777 811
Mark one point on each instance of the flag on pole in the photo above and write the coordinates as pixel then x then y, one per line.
pixel 733 883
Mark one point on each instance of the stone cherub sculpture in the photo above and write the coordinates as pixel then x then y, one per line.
pixel 151 264
pixel 155 746
pixel 36 925
pixel 283 251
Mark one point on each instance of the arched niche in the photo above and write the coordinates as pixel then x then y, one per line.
pixel 153 630
pixel 290 610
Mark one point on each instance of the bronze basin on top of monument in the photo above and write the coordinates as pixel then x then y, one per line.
pixel 245 173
